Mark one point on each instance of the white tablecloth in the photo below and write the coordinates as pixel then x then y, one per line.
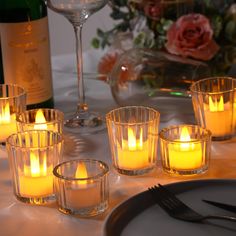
pixel 21 219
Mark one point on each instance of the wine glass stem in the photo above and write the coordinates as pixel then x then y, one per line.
pixel 81 106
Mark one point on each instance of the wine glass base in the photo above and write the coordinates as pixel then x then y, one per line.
pixel 85 122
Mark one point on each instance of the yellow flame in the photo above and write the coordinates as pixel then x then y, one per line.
pixel 39 120
pixel 215 105
pixel 81 173
pixel 131 140
pixel 184 136
pixel 5 116
pixel 35 169
pixel 134 144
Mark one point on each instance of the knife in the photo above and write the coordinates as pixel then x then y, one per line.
pixel 224 206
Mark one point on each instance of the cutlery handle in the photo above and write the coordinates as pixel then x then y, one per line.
pixel 219 217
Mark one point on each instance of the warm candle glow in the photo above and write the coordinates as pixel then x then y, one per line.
pixel 7 122
pixel 83 193
pixel 5 116
pixel 185 154
pixel 34 166
pixel 131 140
pixel 216 106
pixel 184 136
pixel 39 120
pixel 37 179
pixel 81 173
pixel 36 169
pixel 218 117
pixel 132 143
pixel 133 154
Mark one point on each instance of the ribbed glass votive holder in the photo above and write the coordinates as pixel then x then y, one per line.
pixel 82 187
pixel 185 149
pixel 12 101
pixel 37 119
pixel 214 106
pixel 133 136
pixel 32 155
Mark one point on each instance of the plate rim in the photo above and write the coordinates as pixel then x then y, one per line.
pixel 176 187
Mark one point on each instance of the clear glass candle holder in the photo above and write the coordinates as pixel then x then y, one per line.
pixel 185 149
pixel 133 136
pixel 82 187
pixel 33 155
pixel 37 119
pixel 12 101
pixel 214 105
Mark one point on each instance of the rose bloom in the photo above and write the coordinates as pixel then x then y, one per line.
pixel 192 36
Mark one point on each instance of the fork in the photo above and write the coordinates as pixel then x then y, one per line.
pixel 177 209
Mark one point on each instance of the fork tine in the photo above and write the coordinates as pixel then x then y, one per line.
pixel 160 199
pixel 169 195
pixel 167 200
pixel 177 209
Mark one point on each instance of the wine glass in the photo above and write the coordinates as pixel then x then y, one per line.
pixel 77 12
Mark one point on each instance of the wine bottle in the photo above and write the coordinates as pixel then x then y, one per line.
pixel 26 50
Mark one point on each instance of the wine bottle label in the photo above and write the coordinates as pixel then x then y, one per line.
pixel 26 58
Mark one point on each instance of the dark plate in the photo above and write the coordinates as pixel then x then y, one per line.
pixel 139 215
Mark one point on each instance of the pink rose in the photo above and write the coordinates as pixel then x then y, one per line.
pixel 192 36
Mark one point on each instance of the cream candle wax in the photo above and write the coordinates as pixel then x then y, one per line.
pixel 83 193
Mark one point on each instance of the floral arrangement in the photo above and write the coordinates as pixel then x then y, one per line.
pixel 202 30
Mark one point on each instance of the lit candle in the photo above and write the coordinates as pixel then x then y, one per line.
pixel 133 154
pixel 40 120
pixel 7 123
pixel 218 117
pixel 37 179
pixel 83 193
pixel 185 154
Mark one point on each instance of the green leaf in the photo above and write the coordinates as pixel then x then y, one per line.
pixel 95 43
pixel 217 24
pixel 230 31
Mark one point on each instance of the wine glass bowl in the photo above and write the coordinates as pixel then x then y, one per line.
pixel 139 76
pixel 77 12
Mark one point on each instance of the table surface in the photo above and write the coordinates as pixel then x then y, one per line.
pixel 17 218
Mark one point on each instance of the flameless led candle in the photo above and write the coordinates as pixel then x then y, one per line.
pixel 41 119
pixel 213 103
pixel 37 179
pixel 84 193
pixel 218 117
pixel 82 187
pixel 12 101
pixel 32 155
pixel 133 135
pixel 185 154
pixel 185 149
pixel 7 123
pixel 133 153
